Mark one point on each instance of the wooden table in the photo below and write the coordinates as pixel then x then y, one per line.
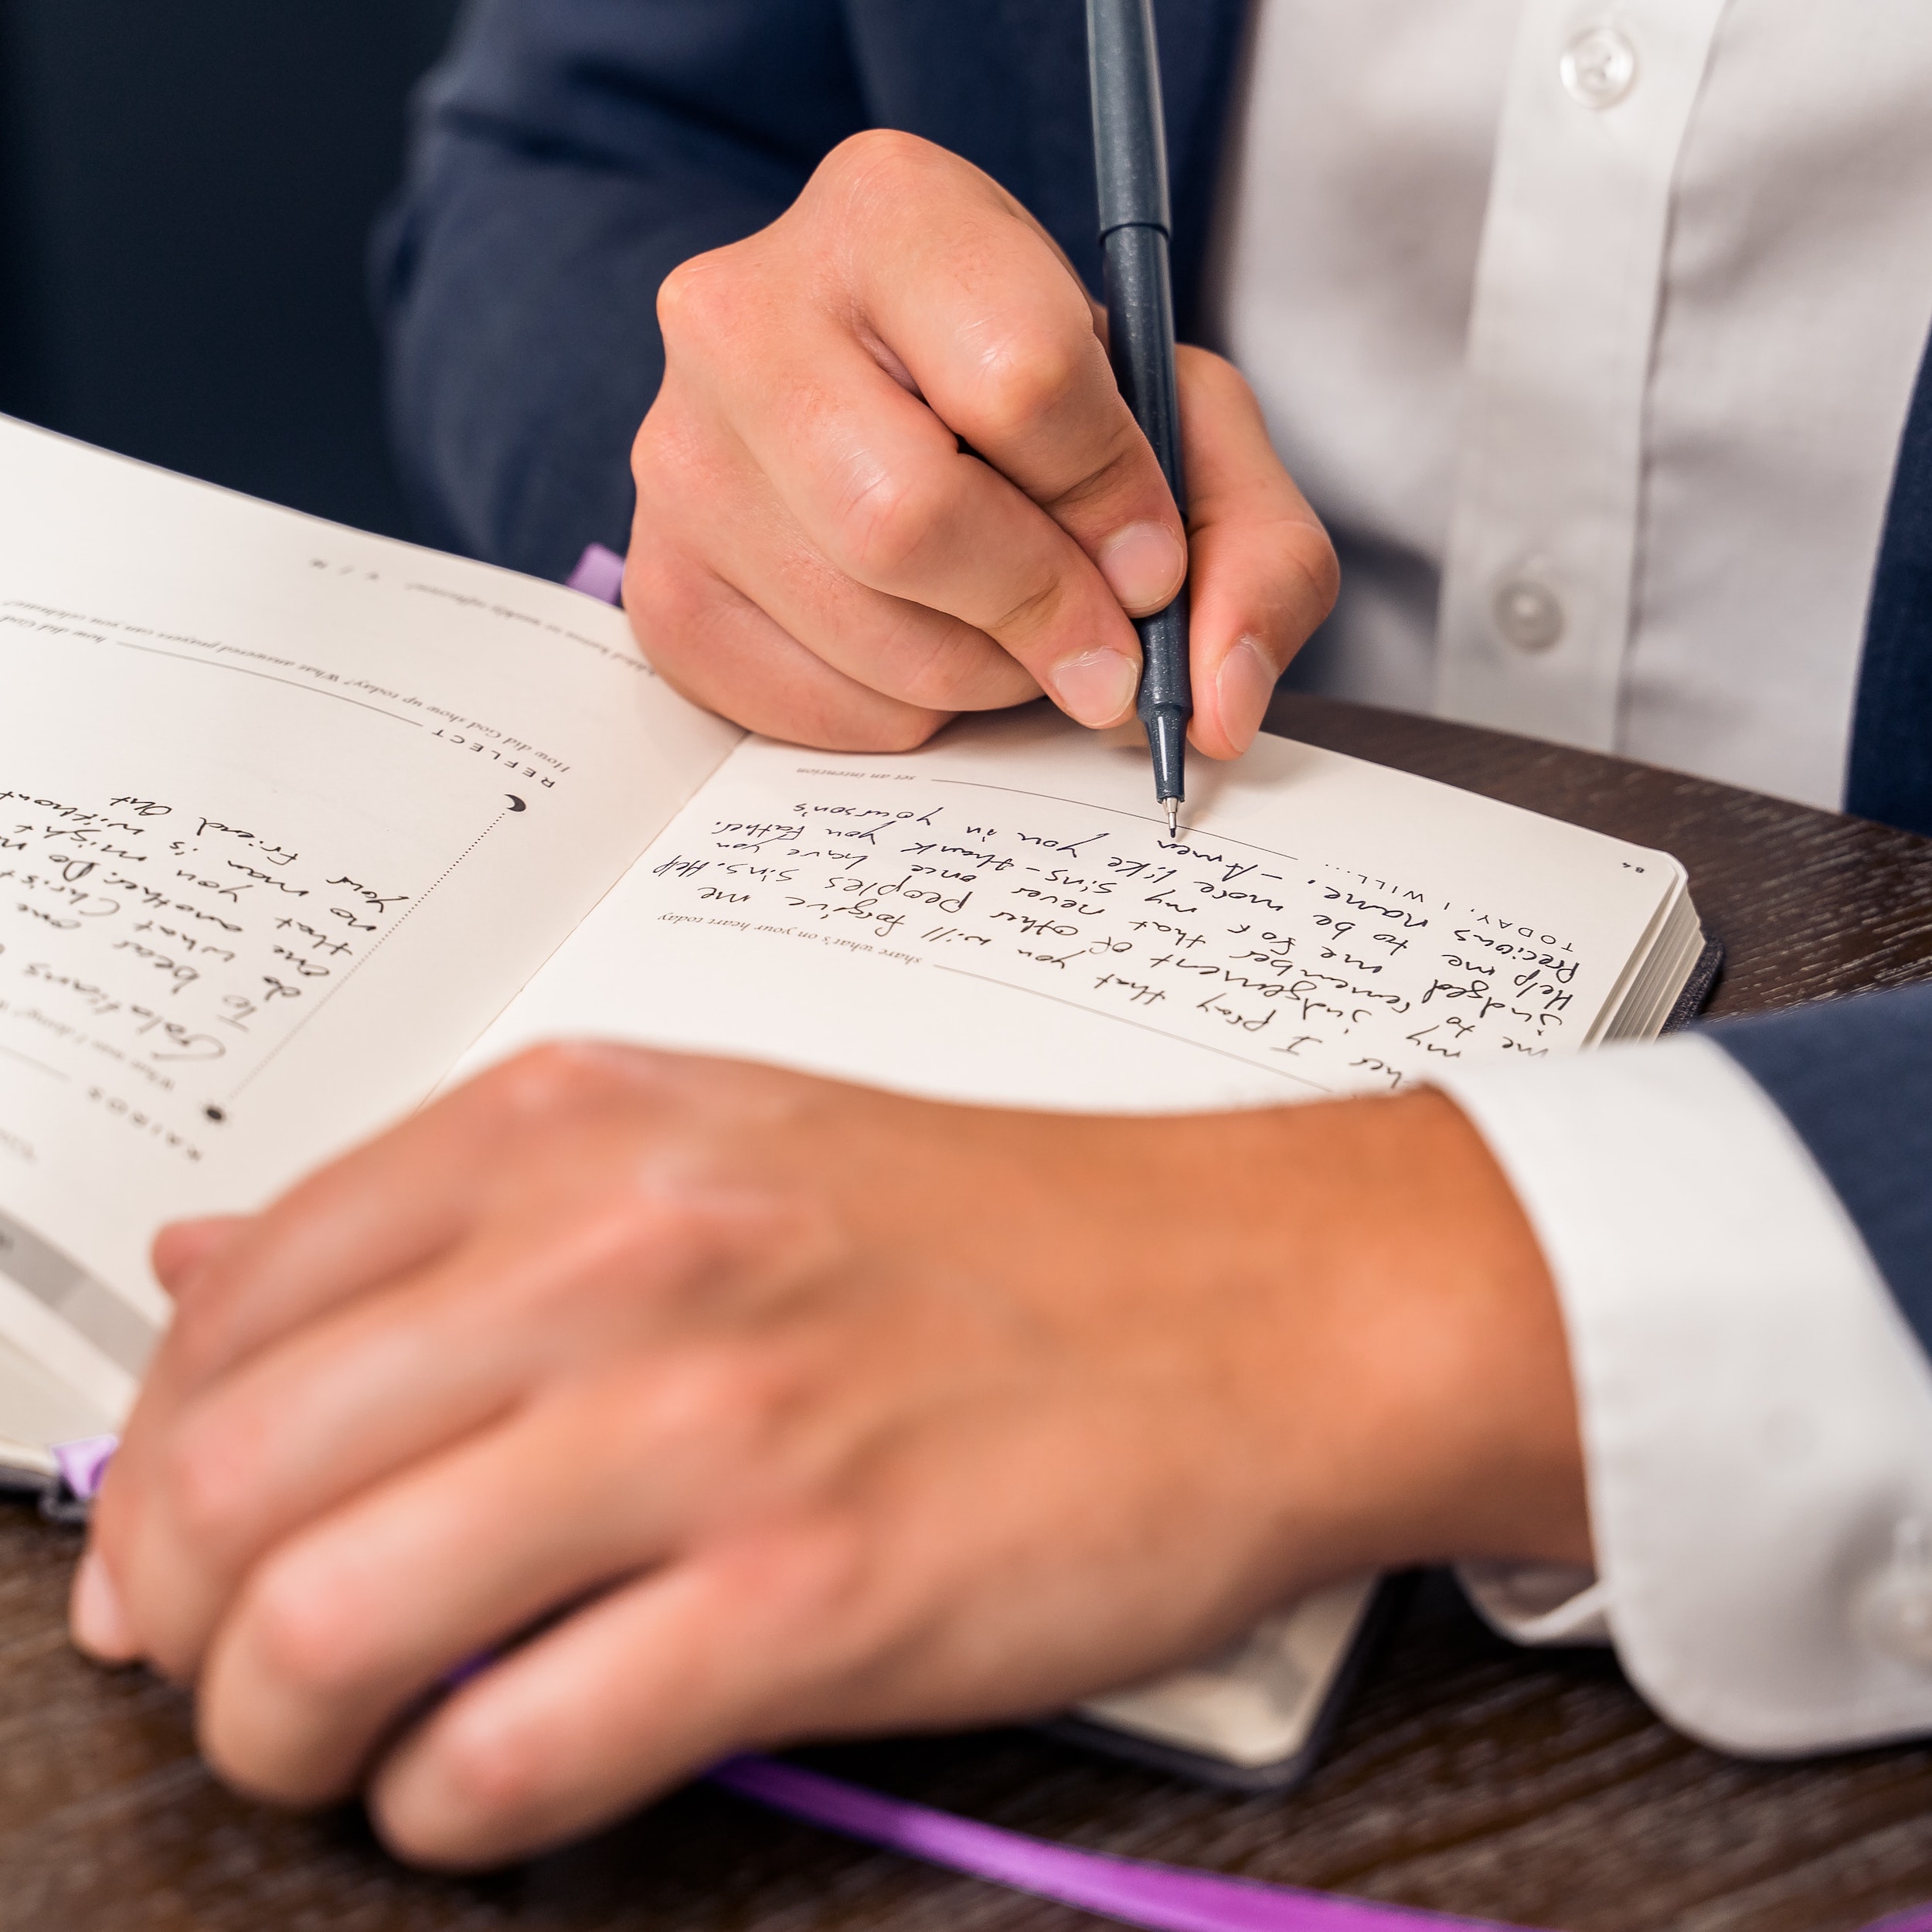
pixel 1467 1776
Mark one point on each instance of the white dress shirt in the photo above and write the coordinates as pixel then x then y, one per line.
pixel 1619 386
pixel 1590 329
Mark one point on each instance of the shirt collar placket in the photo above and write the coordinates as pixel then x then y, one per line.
pixel 1536 595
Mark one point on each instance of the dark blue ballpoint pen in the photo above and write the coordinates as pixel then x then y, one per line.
pixel 1130 153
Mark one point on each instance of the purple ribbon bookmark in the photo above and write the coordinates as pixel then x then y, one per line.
pixel 1163 1898
pixel 83 1464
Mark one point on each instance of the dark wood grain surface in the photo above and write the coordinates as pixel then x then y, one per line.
pixel 1467 1776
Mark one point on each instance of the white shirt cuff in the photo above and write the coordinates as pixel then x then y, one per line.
pixel 1757 1416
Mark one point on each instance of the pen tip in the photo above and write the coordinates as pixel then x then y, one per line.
pixel 1173 817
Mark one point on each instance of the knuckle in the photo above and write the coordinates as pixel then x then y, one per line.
pixel 1022 379
pixel 1311 554
pixel 197 1342
pixel 634 1236
pixel 943 665
pixel 826 1569
pixel 309 1632
pixel 1036 612
pixel 651 449
pixel 942 681
pixel 1112 469
pixel 878 158
pixel 901 730
pixel 727 1411
pixel 549 1079
pixel 629 1251
pixel 890 522
pixel 932 680
pixel 660 593
pixel 679 610
pixel 678 465
pixel 816 1577
pixel 697 300
pixel 740 1401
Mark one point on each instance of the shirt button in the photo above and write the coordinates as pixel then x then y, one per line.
pixel 1598 67
pixel 1527 614
pixel 1895 1608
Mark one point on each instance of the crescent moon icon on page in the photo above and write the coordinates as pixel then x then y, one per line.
pixel 516 804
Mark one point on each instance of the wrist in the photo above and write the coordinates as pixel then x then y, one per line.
pixel 1430 1413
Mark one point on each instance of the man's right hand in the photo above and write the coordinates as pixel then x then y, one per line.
pixel 889 477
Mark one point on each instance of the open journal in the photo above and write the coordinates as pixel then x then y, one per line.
pixel 297 825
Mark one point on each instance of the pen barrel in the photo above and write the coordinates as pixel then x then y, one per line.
pixel 1130 154
pixel 1140 342
pixel 1164 684
pixel 1129 139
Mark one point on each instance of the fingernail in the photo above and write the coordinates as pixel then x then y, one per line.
pixel 94 1617
pixel 1144 566
pixel 1242 688
pixel 1097 688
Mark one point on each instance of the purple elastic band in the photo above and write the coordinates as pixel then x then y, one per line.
pixel 1166 1898
pixel 599 574
pixel 83 1464
pixel 1163 1898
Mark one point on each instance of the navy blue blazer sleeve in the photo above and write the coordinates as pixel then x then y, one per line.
pixel 569 153
pixel 1854 1078
pixel 568 156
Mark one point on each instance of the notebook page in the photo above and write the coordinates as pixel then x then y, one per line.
pixel 1003 917
pixel 286 814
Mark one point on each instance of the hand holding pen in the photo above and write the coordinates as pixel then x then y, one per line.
pixel 814 554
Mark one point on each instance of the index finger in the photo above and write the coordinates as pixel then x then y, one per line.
pixel 993 327
pixel 385 1210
